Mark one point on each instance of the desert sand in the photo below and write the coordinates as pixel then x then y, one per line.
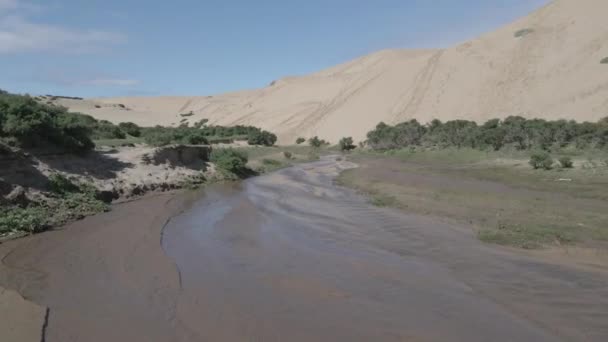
pixel 552 70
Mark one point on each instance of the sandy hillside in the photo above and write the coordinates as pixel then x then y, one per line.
pixel 551 70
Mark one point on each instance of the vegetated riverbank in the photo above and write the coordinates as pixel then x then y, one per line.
pixel 497 193
pixel 46 190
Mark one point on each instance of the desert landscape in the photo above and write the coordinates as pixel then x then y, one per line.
pixel 545 65
pixel 454 194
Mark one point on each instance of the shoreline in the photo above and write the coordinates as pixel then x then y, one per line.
pixel 27 294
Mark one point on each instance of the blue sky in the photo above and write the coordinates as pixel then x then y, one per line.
pixel 196 47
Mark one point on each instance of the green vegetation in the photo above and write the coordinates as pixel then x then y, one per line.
pixel 604 60
pixel 162 136
pixel 346 144
pixel 230 160
pixel 514 132
pixel 26 123
pixel 263 138
pixel 494 192
pixel 523 32
pixel 130 128
pixel 288 155
pixel 566 162
pixel 300 140
pixel 316 142
pixel 70 202
pixel 541 160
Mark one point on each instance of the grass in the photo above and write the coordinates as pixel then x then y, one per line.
pixel 523 32
pixel 497 193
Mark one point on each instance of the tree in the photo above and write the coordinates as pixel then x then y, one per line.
pixel 315 142
pixel 346 144
pixel 261 138
pixel 130 128
pixel 541 160
pixel 300 140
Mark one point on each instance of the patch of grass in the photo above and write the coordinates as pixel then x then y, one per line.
pixel 528 236
pixel 382 200
pixel 523 32
pixel 54 212
pixel 504 200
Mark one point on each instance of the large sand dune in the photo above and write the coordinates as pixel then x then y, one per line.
pixel 550 71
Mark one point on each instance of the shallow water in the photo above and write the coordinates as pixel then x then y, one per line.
pixel 292 257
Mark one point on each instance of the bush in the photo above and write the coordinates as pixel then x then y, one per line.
pixel 28 123
pixel 316 142
pixel 523 32
pixel 346 144
pixel 541 160
pixel 604 61
pixel 130 128
pixel 300 140
pixel 288 155
pixel 31 220
pixel 230 160
pixel 261 138
pixel 107 130
pixel 59 184
pixel 162 136
pixel 566 162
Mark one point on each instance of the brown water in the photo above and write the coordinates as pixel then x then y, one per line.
pixel 292 257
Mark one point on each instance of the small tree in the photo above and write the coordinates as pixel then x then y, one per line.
pixel 130 128
pixel 261 138
pixel 541 160
pixel 566 162
pixel 288 155
pixel 300 140
pixel 230 160
pixel 346 144
pixel 315 142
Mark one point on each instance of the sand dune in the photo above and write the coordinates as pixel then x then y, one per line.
pixel 551 70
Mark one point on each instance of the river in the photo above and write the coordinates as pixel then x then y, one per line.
pixel 290 256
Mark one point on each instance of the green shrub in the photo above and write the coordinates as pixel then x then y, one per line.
pixel 346 144
pixel 288 155
pixel 60 184
pixel 541 160
pixel 107 130
pixel 604 60
pixel 230 160
pixel 300 140
pixel 316 142
pixel 31 220
pixel 162 136
pixel 264 138
pixel 130 128
pixel 523 32
pixel 566 162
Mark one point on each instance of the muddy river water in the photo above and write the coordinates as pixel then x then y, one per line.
pixel 291 257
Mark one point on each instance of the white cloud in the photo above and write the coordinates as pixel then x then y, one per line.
pixel 18 34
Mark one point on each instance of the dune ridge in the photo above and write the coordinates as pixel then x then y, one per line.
pixel 545 65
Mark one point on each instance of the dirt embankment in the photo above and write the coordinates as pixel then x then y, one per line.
pixel 119 173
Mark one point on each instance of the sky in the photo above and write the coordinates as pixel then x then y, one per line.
pixel 99 48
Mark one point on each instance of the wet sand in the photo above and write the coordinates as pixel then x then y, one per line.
pixel 291 257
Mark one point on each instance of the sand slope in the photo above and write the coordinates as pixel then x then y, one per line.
pixel 552 72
